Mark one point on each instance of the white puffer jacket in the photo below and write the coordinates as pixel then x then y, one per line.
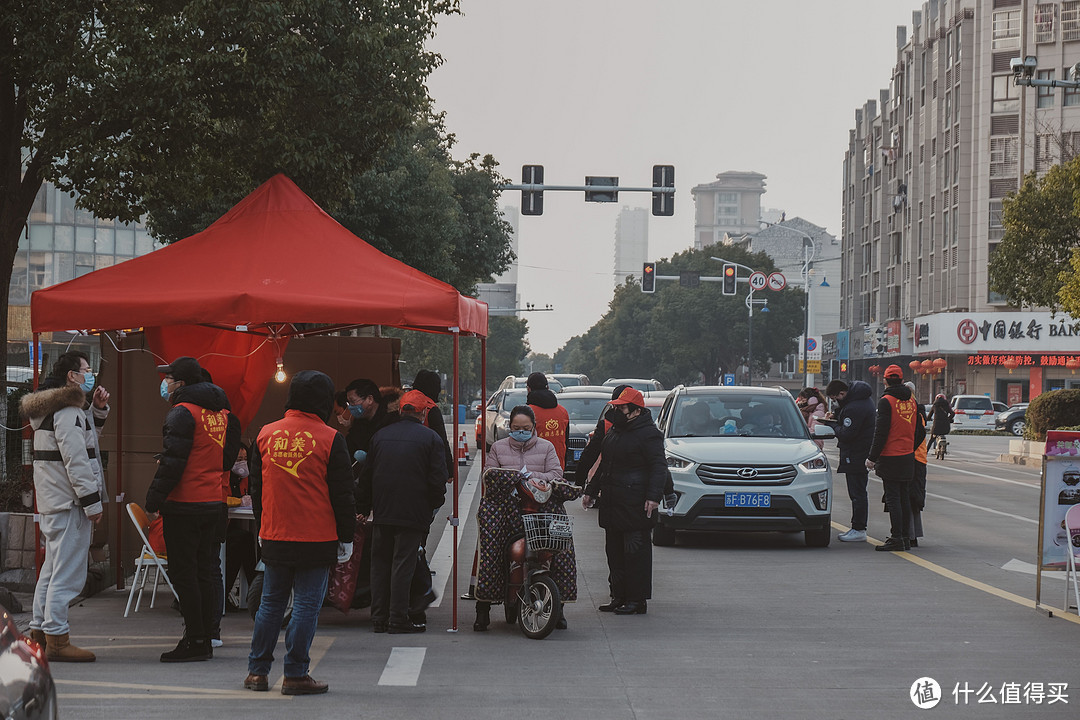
pixel 67 472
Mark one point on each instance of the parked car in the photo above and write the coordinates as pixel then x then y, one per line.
pixel 511 381
pixel 497 414
pixel 973 412
pixel 585 410
pixel 1013 420
pixel 636 383
pixel 587 388
pixel 569 379
pixel 27 690
pixel 743 459
pixel 999 407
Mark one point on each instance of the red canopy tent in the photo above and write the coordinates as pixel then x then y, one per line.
pixel 261 274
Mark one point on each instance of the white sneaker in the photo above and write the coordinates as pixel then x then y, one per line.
pixel 216 643
pixel 853 535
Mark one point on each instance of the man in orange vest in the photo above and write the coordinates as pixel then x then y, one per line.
pixel 301 486
pixel 552 420
pixel 917 489
pixel 200 445
pixel 892 454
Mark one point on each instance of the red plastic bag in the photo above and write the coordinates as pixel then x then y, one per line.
pixel 343 576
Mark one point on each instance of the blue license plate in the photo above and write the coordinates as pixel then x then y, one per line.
pixel 752 500
pixel 577 454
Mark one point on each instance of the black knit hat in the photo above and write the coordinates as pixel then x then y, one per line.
pixel 185 369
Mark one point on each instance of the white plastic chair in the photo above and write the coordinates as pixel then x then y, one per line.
pixel 146 561
pixel 1072 525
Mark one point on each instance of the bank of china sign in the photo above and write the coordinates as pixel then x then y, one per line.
pixel 1018 332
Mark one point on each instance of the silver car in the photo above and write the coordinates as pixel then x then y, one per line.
pixel 742 459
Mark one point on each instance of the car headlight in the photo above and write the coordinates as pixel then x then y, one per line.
pixel 678 462
pixel 818 463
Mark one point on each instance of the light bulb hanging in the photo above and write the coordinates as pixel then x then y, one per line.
pixel 280 374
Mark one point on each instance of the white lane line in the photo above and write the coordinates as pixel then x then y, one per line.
pixel 443 560
pixel 403 667
pixel 1035 486
pixel 1027 568
pixel 977 507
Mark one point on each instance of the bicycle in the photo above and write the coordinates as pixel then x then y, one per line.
pixel 942 447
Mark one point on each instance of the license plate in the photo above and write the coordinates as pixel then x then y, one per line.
pixel 753 500
pixel 577 454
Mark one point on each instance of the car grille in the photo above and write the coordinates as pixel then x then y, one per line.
pixel 730 474
pixel 577 442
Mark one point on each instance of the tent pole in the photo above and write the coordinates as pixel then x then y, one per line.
pixel 120 504
pixel 454 521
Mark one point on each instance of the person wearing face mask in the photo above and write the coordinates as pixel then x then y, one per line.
pixel 367 409
pixel 629 483
pixel 499 517
pixel 70 490
pixel 200 445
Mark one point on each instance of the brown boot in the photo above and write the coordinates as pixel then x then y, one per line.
pixel 59 649
pixel 38 636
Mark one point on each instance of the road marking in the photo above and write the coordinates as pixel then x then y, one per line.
pixel 443 561
pixel 964 580
pixel 1030 569
pixel 992 477
pixel 976 507
pixel 403 667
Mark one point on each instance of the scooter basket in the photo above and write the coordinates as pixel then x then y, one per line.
pixel 548 531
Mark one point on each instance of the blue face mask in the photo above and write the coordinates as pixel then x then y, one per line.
pixel 165 389
pixel 357 411
pixel 88 381
pixel 521 435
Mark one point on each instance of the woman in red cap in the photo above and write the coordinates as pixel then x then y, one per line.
pixel 629 483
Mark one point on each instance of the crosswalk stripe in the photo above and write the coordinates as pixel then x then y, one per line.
pixel 403 667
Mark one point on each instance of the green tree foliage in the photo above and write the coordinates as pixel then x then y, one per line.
pixel 686 334
pixel 439 215
pixel 1042 227
pixel 1052 411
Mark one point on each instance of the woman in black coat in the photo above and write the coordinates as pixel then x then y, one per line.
pixel 941 417
pixel 629 484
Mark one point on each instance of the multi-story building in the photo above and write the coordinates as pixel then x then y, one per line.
pixel 631 243
pixel 501 294
pixel 730 206
pixel 927 167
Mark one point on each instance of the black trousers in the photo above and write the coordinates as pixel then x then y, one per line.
pixel 393 562
pixel 629 556
pixel 860 503
pixel 898 503
pixel 191 541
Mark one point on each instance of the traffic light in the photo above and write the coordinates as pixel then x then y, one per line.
pixel 663 203
pixel 729 279
pixel 843 367
pixel 648 278
pixel 532 201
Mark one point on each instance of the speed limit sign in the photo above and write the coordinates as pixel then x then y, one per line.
pixel 777 281
pixel 758 281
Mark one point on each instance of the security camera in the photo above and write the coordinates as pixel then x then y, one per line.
pixel 1031 63
pixel 1074 72
pixel 1016 66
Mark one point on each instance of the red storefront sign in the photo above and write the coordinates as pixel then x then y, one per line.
pixel 996 359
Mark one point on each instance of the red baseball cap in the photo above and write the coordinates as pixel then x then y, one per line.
pixel 894 371
pixel 416 401
pixel 630 396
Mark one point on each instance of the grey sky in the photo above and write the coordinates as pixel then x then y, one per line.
pixel 612 87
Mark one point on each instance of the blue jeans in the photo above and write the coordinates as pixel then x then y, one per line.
pixel 308 586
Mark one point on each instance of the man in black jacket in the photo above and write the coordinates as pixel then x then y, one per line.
pixel 892 456
pixel 406 474
pixel 854 424
pixel 188 489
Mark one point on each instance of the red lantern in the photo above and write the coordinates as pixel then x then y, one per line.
pixel 914 365
pixel 940 364
pixel 874 369
pixel 1010 362
pixel 1073 363
pixel 927 366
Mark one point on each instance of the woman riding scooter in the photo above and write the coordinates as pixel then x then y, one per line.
pixel 941 418
pixel 499 515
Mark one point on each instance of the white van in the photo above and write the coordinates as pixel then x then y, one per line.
pixel 973 412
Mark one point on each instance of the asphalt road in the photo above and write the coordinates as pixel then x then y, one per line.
pixel 740 626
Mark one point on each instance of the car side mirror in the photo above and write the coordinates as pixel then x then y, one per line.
pixel 823 432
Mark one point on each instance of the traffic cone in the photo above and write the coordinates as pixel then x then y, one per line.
pixel 465 440
pixel 461 451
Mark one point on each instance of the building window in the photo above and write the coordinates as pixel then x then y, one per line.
pixel 1006 30
pixel 727 198
pixel 1044 152
pixel 1006 95
pixel 1003 157
pixel 1045 15
pixel 1070 20
pixel 997 227
pixel 1046 94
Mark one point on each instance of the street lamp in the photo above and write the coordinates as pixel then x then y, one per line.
pixel 810 250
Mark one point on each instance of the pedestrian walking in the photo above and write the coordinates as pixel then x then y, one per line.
pixel 69 486
pixel 629 484
pixel 552 420
pixel 301 487
pixel 200 444
pixel 854 422
pixel 405 479
pixel 892 456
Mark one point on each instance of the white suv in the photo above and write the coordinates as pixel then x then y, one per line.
pixel 973 412
pixel 742 459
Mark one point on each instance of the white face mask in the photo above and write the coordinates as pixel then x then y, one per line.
pixel 240 468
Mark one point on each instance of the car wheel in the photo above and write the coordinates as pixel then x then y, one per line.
pixel 819 537
pixel 1016 427
pixel 663 536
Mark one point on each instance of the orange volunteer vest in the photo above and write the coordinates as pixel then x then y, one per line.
pixel 295 497
pixel 203 480
pixel 552 424
pixel 901 427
